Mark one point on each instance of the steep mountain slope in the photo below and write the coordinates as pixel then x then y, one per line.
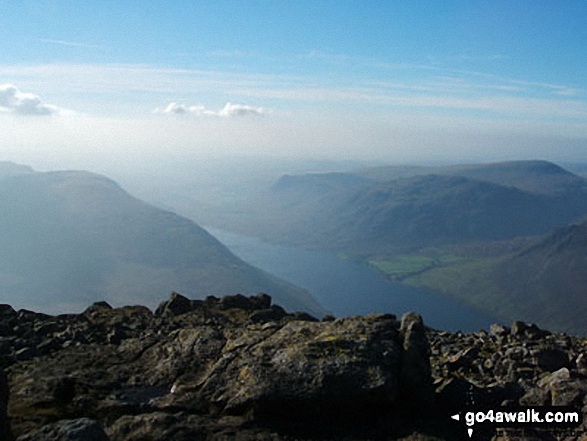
pixel 67 238
pixel 406 214
pixel 553 273
pixel 426 211
pixel 545 283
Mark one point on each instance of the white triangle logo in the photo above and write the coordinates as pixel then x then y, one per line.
pixel 470 431
pixel 455 417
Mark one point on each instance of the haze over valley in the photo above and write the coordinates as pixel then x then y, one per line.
pixel 475 233
pixel 72 238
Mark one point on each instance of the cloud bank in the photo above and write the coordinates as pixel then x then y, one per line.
pixel 12 100
pixel 228 111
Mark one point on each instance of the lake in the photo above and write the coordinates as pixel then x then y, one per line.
pixel 346 288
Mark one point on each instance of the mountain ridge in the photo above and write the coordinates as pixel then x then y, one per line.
pixel 79 236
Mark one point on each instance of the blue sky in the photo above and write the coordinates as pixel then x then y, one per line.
pixel 391 80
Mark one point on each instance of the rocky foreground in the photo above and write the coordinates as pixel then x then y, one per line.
pixel 239 368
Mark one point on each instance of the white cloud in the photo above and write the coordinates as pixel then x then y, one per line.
pixel 228 111
pixel 178 109
pixel 12 100
pixel 239 110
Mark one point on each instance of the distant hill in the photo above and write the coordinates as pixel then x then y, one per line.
pixel 8 168
pixel 432 211
pixel 532 176
pixel 369 214
pixel 69 238
pixel 321 183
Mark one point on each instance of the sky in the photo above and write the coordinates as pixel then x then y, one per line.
pixel 110 82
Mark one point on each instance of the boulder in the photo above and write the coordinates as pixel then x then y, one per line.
pixel 176 305
pixel 82 429
pixel 306 370
pixel 498 330
pixel 552 359
pixel 581 363
pixel 158 426
pixel 415 379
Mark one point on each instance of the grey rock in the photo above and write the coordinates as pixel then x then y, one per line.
pixel 266 315
pixel 237 301
pixel 308 368
pixel 82 429
pixel 158 426
pixel 415 379
pixel 518 328
pixel 581 363
pixel 240 368
pixel 498 330
pixel 176 305
pixel 26 353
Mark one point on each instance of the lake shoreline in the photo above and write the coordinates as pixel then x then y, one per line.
pixel 346 287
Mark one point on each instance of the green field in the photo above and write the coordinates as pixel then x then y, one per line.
pixel 464 278
pixel 399 267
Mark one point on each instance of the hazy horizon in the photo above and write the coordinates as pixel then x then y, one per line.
pixel 96 86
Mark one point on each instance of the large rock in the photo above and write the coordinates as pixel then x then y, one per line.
pixel 219 358
pixel 303 370
pixel 82 429
pixel 415 375
pixel 176 305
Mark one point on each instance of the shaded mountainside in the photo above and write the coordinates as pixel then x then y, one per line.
pixel 545 282
pixel 240 368
pixel 549 280
pixel 347 211
pixel 532 176
pixel 457 205
pixel 69 238
pixel 432 211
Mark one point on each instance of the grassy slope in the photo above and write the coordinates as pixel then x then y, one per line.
pixel 464 273
pixel 541 280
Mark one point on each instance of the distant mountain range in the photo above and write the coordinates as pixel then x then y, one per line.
pixel 508 238
pixel 403 209
pixel 73 237
pixel 533 176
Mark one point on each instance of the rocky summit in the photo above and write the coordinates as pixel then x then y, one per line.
pixel 240 368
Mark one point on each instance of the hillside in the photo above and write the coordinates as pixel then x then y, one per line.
pixel 368 215
pixel 433 211
pixel 68 238
pixel 445 228
pixel 545 282
pixel 551 271
pixel 533 176
pixel 394 209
